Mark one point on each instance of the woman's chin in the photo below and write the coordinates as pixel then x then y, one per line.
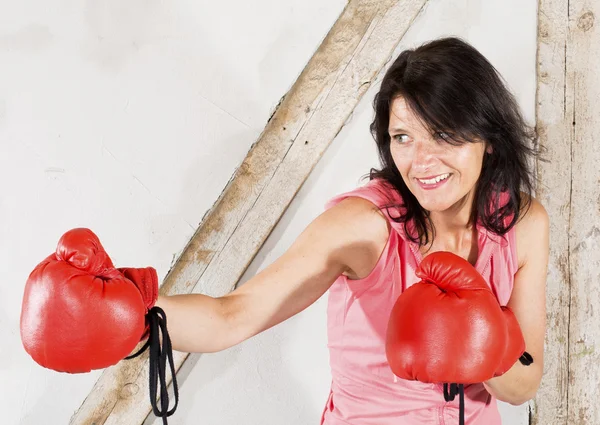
pixel 435 205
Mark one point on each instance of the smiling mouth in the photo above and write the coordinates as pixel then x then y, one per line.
pixel 435 179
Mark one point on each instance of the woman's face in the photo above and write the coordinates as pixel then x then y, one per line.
pixel 437 173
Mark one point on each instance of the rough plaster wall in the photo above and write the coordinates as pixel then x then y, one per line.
pixel 282 375
pixel 129 118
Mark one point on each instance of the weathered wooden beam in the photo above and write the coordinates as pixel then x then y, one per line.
pixel 568 121
pixel 583 64
pixel 232 232
pixel 554 110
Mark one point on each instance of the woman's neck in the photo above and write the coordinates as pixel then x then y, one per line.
pixel 454 228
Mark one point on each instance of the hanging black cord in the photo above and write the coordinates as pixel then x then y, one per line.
pixel 451 390
pixel 158 363
pixel 450 393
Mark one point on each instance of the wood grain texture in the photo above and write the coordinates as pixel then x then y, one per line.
pixel 306 121
pixel 554 110
pixel 584 232
pixel 568 120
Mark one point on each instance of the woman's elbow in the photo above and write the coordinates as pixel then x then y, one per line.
pixel 519 399
pixel 521 395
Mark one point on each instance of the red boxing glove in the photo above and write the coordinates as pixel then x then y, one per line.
pixel 449 328
pixel 515 346
pixel 146 281
pixel 79 312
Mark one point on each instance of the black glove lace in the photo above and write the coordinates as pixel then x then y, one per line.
pixel 451 390
pixel 158 363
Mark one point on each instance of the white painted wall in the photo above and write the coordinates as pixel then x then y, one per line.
pixel 130 117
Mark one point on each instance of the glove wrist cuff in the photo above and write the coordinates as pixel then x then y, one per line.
pixel 146 280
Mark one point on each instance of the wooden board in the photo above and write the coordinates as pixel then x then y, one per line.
pixel 306 121
pixel 584 231
pixel 554 110
pixel 568 120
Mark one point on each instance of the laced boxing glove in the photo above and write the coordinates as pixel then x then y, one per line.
pixel 80 313
pixel 449 328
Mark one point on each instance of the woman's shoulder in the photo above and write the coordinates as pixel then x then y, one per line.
pixel 365 209
pixel 365 228
pixel 377 191
pixel 532 226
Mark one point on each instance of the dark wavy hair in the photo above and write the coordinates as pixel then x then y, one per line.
pixel 453 88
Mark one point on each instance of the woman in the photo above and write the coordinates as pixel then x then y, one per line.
pixel 454 177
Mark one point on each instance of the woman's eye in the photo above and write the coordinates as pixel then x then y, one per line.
pixel 442 135
pixel 400 138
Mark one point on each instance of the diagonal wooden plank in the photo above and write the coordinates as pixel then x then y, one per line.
pixel 230 235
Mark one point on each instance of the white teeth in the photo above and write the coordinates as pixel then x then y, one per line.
pixel 435 179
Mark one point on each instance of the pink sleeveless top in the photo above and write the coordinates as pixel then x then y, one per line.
pixel 364 391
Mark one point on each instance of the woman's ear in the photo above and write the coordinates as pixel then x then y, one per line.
pixel 489 149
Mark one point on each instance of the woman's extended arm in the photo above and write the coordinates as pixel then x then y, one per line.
pixel 349 238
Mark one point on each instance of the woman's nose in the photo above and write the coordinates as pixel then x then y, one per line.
pixel 423 156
